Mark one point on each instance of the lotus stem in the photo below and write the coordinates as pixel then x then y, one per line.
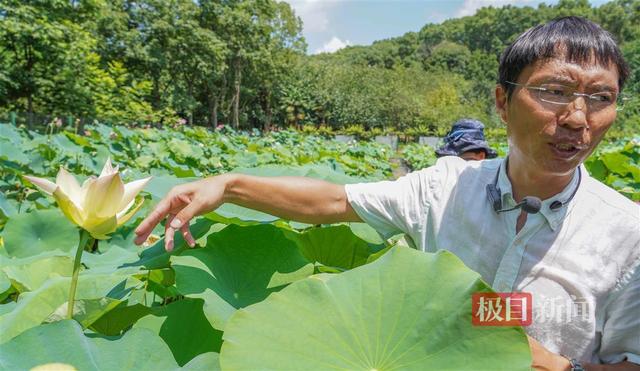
pixel 85 239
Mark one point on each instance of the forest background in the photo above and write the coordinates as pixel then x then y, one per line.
pixel 243 63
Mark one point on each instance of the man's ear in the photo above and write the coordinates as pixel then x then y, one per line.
pixel 501 102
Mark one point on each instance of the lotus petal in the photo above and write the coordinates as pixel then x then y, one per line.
pixel 131 190
pixel 69 185
pixel 125 215
pixel 45 185
pixel 103 196
pixel 68 207
pixel 100 227
pixel 108 168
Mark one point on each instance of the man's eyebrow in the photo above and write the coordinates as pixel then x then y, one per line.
pixel 557 79
pixel 602 87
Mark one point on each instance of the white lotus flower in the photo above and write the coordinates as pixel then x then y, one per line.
pixel 101 205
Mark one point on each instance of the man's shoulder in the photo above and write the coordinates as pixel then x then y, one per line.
pixel 454 166
pixel 604 198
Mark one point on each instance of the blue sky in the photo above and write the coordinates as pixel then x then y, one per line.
pixel 332 24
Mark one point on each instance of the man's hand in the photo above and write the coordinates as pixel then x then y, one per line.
pixel 544 360
pixel 180 205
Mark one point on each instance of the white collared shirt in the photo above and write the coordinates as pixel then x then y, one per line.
pixel 581 262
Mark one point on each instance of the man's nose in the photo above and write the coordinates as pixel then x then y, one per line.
pixel 576 114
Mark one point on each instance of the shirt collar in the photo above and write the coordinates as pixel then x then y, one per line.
pixel 553 217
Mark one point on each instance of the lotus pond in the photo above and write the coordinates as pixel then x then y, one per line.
pixel 256 292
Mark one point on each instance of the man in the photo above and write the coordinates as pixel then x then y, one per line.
pixel 466 140
pixel 557 91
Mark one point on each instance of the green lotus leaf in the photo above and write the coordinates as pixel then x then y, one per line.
pixel 238 267
pixel 12 152
pixel 109 261
pixel 185 329
pixel 32 233
pixel 367 233
pixel 86 311
pixel 334 246
pixel 159 186
pixel 11 134
pixel 204 362
pixel 407 310
pixel 36 306
pixel 118 320
pixel 64 342
pixel 28 274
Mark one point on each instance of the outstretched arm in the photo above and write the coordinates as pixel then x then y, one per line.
pixel 293 198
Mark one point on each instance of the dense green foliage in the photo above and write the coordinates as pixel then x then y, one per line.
pixel 182 152
pixel 242 63
pixel 618 166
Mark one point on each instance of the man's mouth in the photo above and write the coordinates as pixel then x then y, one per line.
pixel 567 149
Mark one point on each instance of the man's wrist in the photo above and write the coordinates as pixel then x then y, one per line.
pixel 229 185
pixel 574 364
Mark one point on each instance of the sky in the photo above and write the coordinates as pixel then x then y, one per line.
pixel 329 25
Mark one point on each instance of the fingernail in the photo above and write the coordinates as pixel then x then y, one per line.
pixel 170 245
pixel 176 223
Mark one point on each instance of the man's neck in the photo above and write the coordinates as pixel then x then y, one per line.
pixel 528 182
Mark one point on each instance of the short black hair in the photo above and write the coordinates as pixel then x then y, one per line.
pixel 576 38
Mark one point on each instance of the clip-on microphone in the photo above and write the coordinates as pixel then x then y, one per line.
pixel 529 204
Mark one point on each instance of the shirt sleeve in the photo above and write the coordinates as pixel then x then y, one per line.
pixel 621 332
pixel 400 206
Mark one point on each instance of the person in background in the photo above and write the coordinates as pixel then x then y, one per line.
pixel 466 140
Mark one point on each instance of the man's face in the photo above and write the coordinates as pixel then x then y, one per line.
pixel 555 139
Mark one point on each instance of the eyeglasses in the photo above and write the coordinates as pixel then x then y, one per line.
pixel 562 95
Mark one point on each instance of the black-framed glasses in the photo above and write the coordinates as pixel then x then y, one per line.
pixel 562 95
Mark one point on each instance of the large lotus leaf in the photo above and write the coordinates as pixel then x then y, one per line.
pixel 28 274
pixel 367 233
pixel 159 186
pixel 64 342
pixel 183 149
pixel 10 133
pixel 185 329
pixel 408 310
pixel 238 267
pixel 333 246
pixel 616 162
pixel 119 319
pixel 234 214
pixel 64 145
pixel 110 261
pixel 11 152
pixel 204 362
pixel 86 312
pixel 41 230
pixel 36 306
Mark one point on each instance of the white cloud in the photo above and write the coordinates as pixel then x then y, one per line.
pixel 333 45
pixel 469 7
pixel 314 13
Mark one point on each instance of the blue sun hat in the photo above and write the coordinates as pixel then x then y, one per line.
pixel 465 135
